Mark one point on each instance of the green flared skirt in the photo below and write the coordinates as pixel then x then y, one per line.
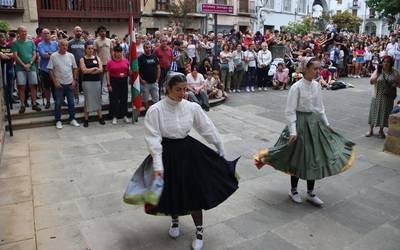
pixel 318 152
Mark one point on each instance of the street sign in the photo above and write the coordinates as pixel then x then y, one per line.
pixel 216 8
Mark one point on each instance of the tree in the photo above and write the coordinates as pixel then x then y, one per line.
pixel 301 27
pixel 4 26
pixel 180 10
pixel 387 8
pixel 346 20
pixel 322 21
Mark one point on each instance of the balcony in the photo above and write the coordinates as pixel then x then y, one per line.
pixel 12 8
pixel 354 5
pixel 87 9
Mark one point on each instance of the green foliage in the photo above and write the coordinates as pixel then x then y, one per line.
pixel 301 27
pixel 4 26
pixel 387 8
pixel 346 20
pixel 322 21
pixel 180 10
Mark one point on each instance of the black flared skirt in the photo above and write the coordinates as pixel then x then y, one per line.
pixel 195 178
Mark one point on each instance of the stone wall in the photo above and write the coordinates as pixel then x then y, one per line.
pixel 392 142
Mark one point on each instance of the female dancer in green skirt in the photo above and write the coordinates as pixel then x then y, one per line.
pixel 308 148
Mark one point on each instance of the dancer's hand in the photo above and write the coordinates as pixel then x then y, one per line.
pixel 259 164
pixel 292 138
pixel 158 173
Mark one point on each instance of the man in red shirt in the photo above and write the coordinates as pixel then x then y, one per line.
pixel 165 57
pixel 38 37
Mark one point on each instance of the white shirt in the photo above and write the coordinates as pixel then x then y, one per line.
pixel 191 50
pixel 174 120
pixel 264 57
pixel 62 66
pixel 251 56
pixel 391 49
pixel 195 82
pixel 304 96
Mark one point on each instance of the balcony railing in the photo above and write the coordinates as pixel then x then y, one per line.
pixel 11 7
pixel 107 9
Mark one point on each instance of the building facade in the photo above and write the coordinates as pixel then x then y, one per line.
pixel 274 14
pixel 156 15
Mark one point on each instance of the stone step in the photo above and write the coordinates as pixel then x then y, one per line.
pixel 34 119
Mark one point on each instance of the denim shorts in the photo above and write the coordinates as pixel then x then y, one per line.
pixel 23 77
pixel 360 59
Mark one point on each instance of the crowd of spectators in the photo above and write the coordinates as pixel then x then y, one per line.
pixel 53 64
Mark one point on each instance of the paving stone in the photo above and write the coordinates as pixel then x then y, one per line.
pixel 65 238
pixel 20 245
pixel 359 218
pixel 269 241
pixel 385 237
pixel 78 150
pixel 104 183
pixel 15 190
pixel 13 167
pixel 391 186
pixel 16 222
pixel 220 236
pixel 12 150
pixel 59 214
pixel 54 192
pixel 315 231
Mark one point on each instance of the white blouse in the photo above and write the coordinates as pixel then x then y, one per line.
pixel 304 96
pixel 170 119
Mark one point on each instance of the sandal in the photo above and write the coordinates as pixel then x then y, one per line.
pixel 369 134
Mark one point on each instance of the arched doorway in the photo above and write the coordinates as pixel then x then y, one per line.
pixel 370 28
pixel 318 7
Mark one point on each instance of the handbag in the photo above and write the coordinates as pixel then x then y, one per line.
pixel 389 89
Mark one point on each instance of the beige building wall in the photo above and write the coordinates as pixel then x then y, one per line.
pixel 29 18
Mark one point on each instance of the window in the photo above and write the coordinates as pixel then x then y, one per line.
pixel 270 4
pixel 162 5
pixel 192 5
pixel 302 6
pixel 338 12
pixel 287 5
pixel 355 12
pixel 339 1
pixel 244 6
pixel 371 13
pixel 220 1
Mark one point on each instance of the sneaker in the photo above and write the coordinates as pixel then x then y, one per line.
pixel 197 243
pixel 59 125
pixel 47 105
pixel 114 121
pixel 238 90
pixel 36 107
pixel 311 197
pixel 86 123
pixel 252 89
pixel 350 76
pixel 234 91
pixel 74 123
pixel 358 76
pixel 22 110
pixel 126 119
pixel 295 196
pixel 259 88
pixel 174 231
pixel 265 88
pixel 247 89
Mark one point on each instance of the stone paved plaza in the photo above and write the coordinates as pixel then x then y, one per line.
pixel 62 189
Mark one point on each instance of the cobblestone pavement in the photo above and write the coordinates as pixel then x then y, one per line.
pixel 62 189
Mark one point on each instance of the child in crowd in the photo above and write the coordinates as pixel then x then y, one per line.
pixel 212 90
pixel 281 77
pixel 326 77
pixel 297 75
pixel 396 108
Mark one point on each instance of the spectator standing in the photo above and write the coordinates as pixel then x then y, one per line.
pixel 63 72
pixel 7 67
pixel 393 50
pixel 238 74
pixel 91 69
pixel 165 57
pixel 149 71
pixel 103 48
pixel 76 46
pixel 384 79
pixel 38 37
pixel 24 51
pixel 46 48
pixel 264 59
pixel 250 58
pixel 226 66
pixel 117 83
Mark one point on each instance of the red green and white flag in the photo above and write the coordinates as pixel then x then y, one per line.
pixel 134 75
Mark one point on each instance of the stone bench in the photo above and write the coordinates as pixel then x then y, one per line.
pixel 392 142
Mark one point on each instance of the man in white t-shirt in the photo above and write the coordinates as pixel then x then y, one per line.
pixel 63 71
pixel 393 50
pixel 197 91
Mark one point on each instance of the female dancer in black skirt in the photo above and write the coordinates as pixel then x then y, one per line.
pixel 195 176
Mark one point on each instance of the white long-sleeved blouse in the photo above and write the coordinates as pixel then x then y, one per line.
pixel 304 96
pixel 174 120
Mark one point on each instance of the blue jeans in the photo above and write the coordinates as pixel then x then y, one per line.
pixel 9 74
pixel 64 91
